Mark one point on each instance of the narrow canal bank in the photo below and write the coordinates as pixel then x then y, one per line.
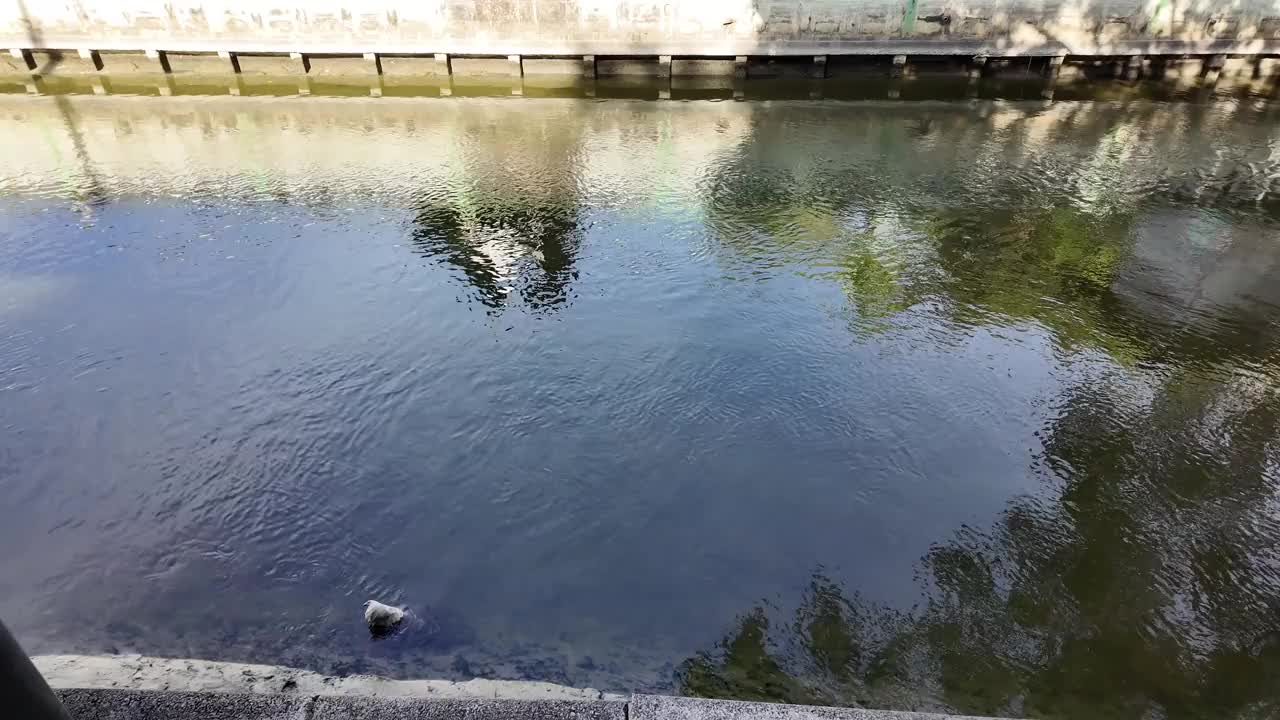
pixel 139 672
pixel 144 688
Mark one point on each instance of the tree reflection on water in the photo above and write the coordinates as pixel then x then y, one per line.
pixel 1146 584
pixel 509 214
pixel 1142 578
pixel 503 249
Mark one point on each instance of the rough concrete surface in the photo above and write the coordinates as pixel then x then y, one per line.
pixel 367 708
pixel 662 707
pixel 152 705
pixel 139 672
pixel 139 705
pixel 134 687
pixel 631 27
pixel 173 705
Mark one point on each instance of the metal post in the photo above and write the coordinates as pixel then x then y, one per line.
pixel 1054 68
pixel 93 56
pixel 819 66
pixel 899 66
pixel 23 691
pixel 160 57
pixel 1133 67
pixel 25 56
pixel 1213 68
pixel 231 59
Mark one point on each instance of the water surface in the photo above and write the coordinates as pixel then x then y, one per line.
pixel 961 404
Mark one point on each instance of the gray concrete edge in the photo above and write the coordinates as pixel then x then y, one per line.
pixel 101 704
pixel 665 707
pixel 140 687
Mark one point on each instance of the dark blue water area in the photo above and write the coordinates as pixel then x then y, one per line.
pixel 260 408
pixel 954 406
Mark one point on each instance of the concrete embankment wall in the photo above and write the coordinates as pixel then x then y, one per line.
pixel 132 687
pixel 613 36
pixel 84 704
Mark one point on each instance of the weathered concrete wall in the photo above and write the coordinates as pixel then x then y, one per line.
pixel 139 672
pixel 172 705
pixel 141 705
pixel 645 27
pixel 109 688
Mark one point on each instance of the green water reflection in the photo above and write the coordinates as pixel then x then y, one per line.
pixel 1142 581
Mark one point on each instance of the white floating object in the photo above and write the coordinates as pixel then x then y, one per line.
pixel 381 618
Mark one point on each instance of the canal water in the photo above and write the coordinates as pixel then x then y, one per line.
pixel 965 404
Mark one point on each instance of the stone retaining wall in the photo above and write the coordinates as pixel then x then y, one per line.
pixel 231 32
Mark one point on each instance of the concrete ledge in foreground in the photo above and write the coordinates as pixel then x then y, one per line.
pixel 140 672
pixel 662 707
pixel 88 704
pixel 137 687
pixel 158 705
pixel 169 705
